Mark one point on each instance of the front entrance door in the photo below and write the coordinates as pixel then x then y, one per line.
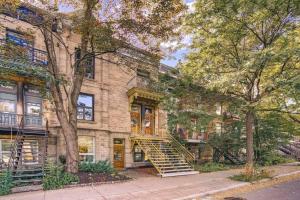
pixel 119 153
pixel 142 119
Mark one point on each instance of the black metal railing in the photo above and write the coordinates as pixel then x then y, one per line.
pixel 14 51
pixel 12 120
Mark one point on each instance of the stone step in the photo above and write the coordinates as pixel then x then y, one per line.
pixel 179 174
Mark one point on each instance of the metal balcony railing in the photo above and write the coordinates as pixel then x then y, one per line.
pixel 12 120
pixel 11 50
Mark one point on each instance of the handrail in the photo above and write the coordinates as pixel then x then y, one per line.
pixel 30 54
pixel 14 146
pixel 181 149
pixel 12 120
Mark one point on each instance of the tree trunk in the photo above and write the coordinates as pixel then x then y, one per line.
pixel 72 154
pixel 249 134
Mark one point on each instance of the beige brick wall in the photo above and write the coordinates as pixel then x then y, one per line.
pixel 111 107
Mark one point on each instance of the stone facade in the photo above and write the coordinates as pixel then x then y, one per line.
pixel 109 89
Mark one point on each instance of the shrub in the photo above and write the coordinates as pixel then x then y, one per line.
pixel 211 167
pixel 257 175
pixel 56 178
pixel 6 183
pixel 62 159
pixel 270 158
pixel 99 167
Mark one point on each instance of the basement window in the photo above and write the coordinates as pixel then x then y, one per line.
pixel 138 154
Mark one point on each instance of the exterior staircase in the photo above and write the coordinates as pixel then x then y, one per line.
pixel 23 173
pixel 292 149
pixel 167 155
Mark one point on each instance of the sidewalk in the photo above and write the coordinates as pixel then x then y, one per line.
pixel 146 187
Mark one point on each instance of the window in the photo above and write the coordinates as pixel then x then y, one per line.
pixel 86 148
pixel 85 107
pixel 143 73
pixel 90 64
pixel 33 106
pixel 218 108
pixel 18 38
pixel 138 154
pixel 5 152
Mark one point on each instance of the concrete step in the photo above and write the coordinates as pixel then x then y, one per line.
pixel 179 174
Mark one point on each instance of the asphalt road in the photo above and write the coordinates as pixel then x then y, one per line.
pixel 284 191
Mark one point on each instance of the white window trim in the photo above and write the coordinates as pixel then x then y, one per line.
pixel 94 149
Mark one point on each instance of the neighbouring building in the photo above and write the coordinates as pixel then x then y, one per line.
pixel 119 117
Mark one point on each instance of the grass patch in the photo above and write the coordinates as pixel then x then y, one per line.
pixel 211 167
pixel 256 176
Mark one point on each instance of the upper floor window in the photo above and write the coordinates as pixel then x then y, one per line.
pixel 19 38
pixel 89 63
pixel 85 107
pixel 25 14
pixel 143 73
pixel 8 97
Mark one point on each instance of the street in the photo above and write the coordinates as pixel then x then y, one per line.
pixel 285 191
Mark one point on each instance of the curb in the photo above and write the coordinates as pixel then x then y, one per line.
pixel 239 185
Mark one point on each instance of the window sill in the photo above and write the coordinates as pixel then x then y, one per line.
pixel 86 121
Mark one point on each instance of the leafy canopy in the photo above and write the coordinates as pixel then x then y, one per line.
pixel 247 49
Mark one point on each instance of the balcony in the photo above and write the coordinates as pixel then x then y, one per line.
pixel 25 56
pixel 15 121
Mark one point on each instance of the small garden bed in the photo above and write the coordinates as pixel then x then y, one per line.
pixel 88 177
pixel 213 167
pixel 256 176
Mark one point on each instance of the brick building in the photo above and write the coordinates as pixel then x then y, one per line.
pixel 119 116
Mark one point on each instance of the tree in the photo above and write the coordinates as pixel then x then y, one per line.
pixel 246 49
pixel 104 26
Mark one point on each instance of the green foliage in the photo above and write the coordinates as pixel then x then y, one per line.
pixel 230 141
pixel 56 177
pixel 257 175
pixel 211 167
pixel 6 183
pixel 99 167
pixel 62 159
pixel 272 158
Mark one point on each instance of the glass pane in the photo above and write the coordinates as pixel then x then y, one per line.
pixel 88 114
pixel 85 100
pixel 7 106
pixel 6 145
pixel 79 115
pixel 118 141
pixel 86 144
pixel 33 108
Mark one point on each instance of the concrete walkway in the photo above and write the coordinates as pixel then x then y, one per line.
pixel 147 187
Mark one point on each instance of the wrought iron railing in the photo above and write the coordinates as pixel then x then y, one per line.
pixel 190 158
pixel 11 50
pixel 12 120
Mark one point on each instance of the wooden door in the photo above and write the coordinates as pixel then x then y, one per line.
pixel 148 121
pixel 135 119
pixel 119 154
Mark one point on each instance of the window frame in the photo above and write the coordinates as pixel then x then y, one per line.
pixel 85 107
pixel 6 152
pixel 88 154
pixel 135 153
pixel 92 66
